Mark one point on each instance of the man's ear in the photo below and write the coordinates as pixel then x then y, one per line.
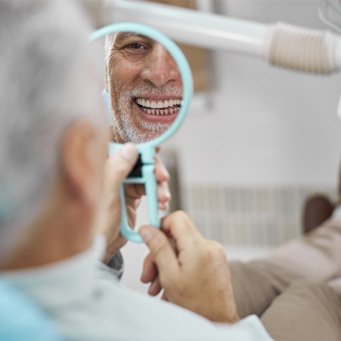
pixel 79 160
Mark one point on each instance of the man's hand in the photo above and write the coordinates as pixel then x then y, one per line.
pixel 134 193
pixel 192 271
pixel 117 169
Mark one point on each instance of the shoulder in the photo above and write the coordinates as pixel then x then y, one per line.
pixel 137 314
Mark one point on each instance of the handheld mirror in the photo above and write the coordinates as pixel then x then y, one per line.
pixel 148 89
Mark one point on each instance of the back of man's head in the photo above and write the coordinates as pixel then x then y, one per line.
pixel 48 79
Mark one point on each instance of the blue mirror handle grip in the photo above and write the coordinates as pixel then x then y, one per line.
pixel 151 193
pixel 152 201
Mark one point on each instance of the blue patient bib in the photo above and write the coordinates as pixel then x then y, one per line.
pixel 21 318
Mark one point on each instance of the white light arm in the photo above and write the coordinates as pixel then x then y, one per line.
pixel 280 44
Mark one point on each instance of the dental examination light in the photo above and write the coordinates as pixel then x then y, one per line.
pixel 280 44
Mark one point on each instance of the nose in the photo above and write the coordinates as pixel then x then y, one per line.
pixel 161 68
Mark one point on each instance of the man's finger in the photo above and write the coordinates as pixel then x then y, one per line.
pixel 161 172
pixel 155 288
pixel 149 271
pixel 121 163
pixel 135 191
pixel 163 254
pixel 181 228
pixel 163 192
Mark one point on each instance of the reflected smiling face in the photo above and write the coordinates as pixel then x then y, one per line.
pixel 145 87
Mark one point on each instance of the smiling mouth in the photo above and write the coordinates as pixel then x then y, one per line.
pixel 159 107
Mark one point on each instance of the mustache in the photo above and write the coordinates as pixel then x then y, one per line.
pixel 145 90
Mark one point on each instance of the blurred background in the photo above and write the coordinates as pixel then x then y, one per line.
pixel 260 140
pixel 257 143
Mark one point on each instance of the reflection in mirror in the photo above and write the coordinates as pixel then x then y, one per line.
pixel 144 85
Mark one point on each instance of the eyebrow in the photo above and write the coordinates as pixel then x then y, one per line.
pixel 124 35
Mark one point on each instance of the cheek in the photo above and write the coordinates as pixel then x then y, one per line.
pixel 124 75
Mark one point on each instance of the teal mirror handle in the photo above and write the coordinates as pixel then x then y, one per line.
pixel 149 181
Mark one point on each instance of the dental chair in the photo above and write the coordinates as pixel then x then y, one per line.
pixel 318 208
pixel 21 319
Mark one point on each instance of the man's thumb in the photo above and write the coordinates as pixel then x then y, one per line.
pixel 161 249
pixel 122 162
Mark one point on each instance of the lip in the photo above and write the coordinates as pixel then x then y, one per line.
pixel 159 97
pixel 157 119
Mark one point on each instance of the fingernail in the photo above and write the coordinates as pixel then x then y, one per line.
pixel 128 151
pixel 146 234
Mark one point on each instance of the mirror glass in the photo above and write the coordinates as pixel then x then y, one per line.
pixel 144 87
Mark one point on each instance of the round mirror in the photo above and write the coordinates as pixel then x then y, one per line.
pixel 148 88
pixel 148 83
pixel 144 85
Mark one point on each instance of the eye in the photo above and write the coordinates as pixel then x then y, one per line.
pixel 132 46
pixel 135 46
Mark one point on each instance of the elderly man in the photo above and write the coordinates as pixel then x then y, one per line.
pixel 145 87
pixel 139 69
pixel 58 191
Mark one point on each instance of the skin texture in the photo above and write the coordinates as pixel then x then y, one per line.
pixel 192 271
pixel 141 75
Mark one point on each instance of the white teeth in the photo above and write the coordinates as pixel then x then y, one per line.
pixel 149 104
pixel 161 112
pixel 141 101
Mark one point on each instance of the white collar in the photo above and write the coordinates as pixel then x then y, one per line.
pixel 61 282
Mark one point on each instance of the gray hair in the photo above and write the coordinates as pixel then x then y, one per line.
pixel 109 41
pixel 49 78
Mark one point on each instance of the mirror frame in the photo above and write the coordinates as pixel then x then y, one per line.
pixel 180 59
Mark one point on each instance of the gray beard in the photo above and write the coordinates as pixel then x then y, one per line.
pixel 122 123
